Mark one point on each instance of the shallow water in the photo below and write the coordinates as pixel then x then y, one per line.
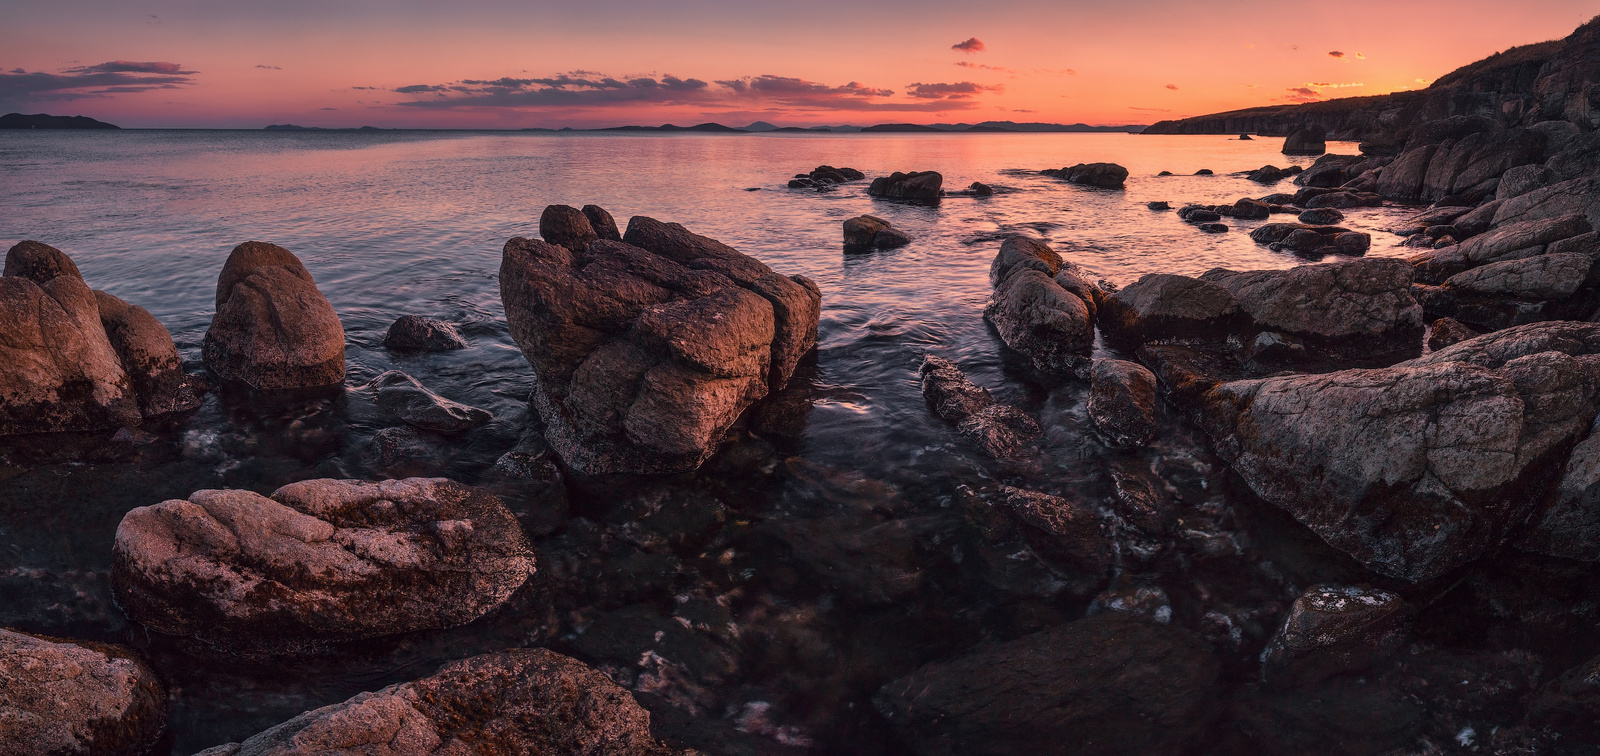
pixel 838 551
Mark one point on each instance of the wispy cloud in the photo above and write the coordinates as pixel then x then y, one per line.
pixel 970 64
pixel 1302 94
pixel 1173 87
pixel 954 91
pixel 20 88
pixel 972 45
pixel 270 68
pixel 1151 110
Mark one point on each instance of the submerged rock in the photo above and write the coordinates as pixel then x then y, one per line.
pixel 414 333
pixel 1122 402
pixel 522 701
pixel 1103 175
pixel 1000 430
pixel 273 331
pixel 1301 238
pixel 646 351
pixel 1332 630
pixel 867 231
pixel 1106 684
pixel 1043 307
pixel 322 560
pixel 406 398
pixel 1162 307
pixel 1070 535
pixel 916 185
pixel 65 697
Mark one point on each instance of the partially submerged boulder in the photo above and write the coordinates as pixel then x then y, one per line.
pixel 1308 140
pixel 1000 430
pixel 917 185
pixel 1043 307
pixel 1122 402
pixel 646 351
pixel 273 331
pixel 407 399
pixel 522 701
pixel 414 333
pixel 1333 630
pixel 1302 238
pixel 868 231
pixel 321 560
pixel 1102 175
pixel 67 697
pixel 149 357
pixel 1162 307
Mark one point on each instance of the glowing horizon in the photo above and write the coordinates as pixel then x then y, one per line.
pixel 499 64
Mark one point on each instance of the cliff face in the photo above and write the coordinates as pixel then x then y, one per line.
pixel 1549 81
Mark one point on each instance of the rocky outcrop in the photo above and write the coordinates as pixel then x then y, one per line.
pixel 1000 430
pixel 1513 241
pixel 414 333
pixel 1043 307
pixel 64 697
pixel 922 186
pixel 321 560
pixel 1304 239
pixel 1106 684
pixel 566 226
pixel 1422 467
pixel 148 356
pixel 1471 167
pixel 273 331
pixel 1333 630
pixel 1122 402
pixel 1539 277
pixel 1162 307
pixel 870 232
pixel 1361 309
pixel 413 404
pixel 1579 196
pixel 1309 140
pixel 513 702
pixel 647 350
pixel 824 177
pixel 1102 175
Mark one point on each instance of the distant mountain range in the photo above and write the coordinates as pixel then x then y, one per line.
pixel 42 121
pixel 292 127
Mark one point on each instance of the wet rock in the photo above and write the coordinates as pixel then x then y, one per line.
pixel 1344 200
pixel 1422 467
pixel 1357 309
pixel 1159 205
pixel 1043 307
pixel 1213 228
pixel 1579 196
pixel 646 351
pixel 1122 402
pixel 827 174
pixel 1514 241
pixel 1002 431
pixel 1146 601
pixel 1068 534
pixel 407 399
pixel 1331 171
pixel 1569 526
pixel 1103 175
pixel 1274 347
pixel 568 227
pixel 58 369
pixel 322 560
pixel 1249 209
pixel 917 185
pixel 149 357
pixel 1322 216
pixel 1162 307
pixel 980 189
pixel 519 701
pixel 273 331
pixel 664 656
pixel 1571 703
pixel 603 224
pixel 1188 373
pixel 1198 214
pixel 1304 239
pixel 1106 684
pixel 1540 277
pixel 1205 172
pixel 64 697
pixel 1446 332
pixel 1310 140
pixel 414 333
pixel 866 231
pixel 1332 630
pixel 1523 179
pixel 1267 174
pixel 406 452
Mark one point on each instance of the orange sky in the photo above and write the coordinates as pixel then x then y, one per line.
pixel 610 62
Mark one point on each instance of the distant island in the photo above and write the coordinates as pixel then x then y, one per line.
pixel 44 121
pixel 292 127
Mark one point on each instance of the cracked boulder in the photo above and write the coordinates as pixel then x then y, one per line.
pixel 65 697
pixel 1421 467
pixel 1043 307
pixel 1004 432
pixel 645 351
pixel 273 331
pixel 321 560
pixel 522 701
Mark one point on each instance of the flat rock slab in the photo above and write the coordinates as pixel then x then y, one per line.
pixel 62 697
pixel 523 701
pixel 321 560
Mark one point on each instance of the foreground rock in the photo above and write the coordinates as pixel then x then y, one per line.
pixel 1103 175
pixel 61 697
pixel 1069 535
pixel 414 333
pixel 1106 684
pixel 407 399
pixel 1043 307
pixel 1333 630
pixel 322 560
pixel 1122 402
pixel 273 331
pixel 1162 307
pixel 1422 467
pixel 868 232
pixel 646 351
pixel 1000 430
pixel 917 185
pixel 523 701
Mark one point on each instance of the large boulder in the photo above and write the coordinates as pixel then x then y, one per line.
pixel 1310 140
pixel 1539 277
pixel 1106 684
pixel 149 357
pixel 321 560
pixel 1103 175
pixel 65 697
pixel 1043 307
pixel 1361 309
pixel 522 701
pixel 1471 166
pixel 1422 467
pixel 58 369
pixel 273 331
pixel 1163 307
pixel 921 186
pixel 646 351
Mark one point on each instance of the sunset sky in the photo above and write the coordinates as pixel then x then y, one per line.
pixel 222 63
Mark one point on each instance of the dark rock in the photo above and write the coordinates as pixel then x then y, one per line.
pixel 1159 205
pixel 1341 717
pixel 1356 309
pixel 890 238
pixel 1162 307
pixel 1000 430
pixel 1043 307
pixel 1205 172
pixel 1419 468
pixel 1345 200
pixel 1103 175
pixel 1311 240
pixel 149 358
pixel 1122 402
pixel 568 227
pixel 827 174
pixel 1523 179
pixel 1146 601
pixel 1271 347
pixel 1164 173
pixel 922 186
pixel 1403 178
pixel 1446 332
pixel 1333 630
pixel 1571 703
pixel 980 189
pixel 1331 171
pixel 1068 534
pixel 1322 216
pixel 1198 214
pixel 414 333
pixel 862 230
pixel 1213 228
pixel 407 399
pixel 1310 140
pixel 519 701
pixel 1267 174
pixel 322 560
pixel 1514 241
pixel 1466 166
pixel 1244 137
pixel 1249 209
pixel 1539 277
pixel 1106 684
pixel 273 331
pixel 68 697
pixel 604 226
pixel 1579 196
pixel 1188 373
